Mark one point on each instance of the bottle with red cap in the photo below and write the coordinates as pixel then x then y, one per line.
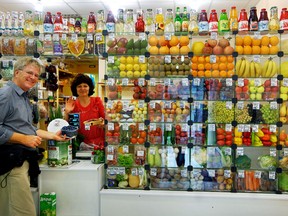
pixel 203 23
pixel 253 19
pixel 213 21
pixel 263 20
pixel 223 25
pixel 58 23
pixel 243 21
pixel 233 19
pixel 91 23
pixel 284 19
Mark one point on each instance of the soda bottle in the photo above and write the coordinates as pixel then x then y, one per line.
pixel 185 21
pixel 100 21
pixel 193 24
pixel 84 26
pixel 129 26
pixel 140 24
pixel 274 24
pixel 48 24
pixel 91 23
pixel 119 27
pixel 213 21
pixel 58 23
pixel 178 21
pixel 38 21
pixel 203 23
pixel 149 21
pixel 110 22
pixel 223 25
pixel 253 20
pixel 28 24
pixel 284 19
pixel 263 20
pixel 243 21
pixel 233 20
pixel 169 25
pixel 159 22
pixel 77 27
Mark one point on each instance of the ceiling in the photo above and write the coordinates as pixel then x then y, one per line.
pixel 83 7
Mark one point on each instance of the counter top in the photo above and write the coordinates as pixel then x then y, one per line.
pixel 81 165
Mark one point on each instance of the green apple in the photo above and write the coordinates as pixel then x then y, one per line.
pixel 252 89
pixel 252 96
pixel 260 89
pixel 251 83
pixel 283 96
pixel 259 96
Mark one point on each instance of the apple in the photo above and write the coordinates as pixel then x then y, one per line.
pixel 252 89
pixel 267 83
pixel 274 89
pixel 259 96
pixel 245 88
pixel 252 96
pixel 260 89
pixel 246 82
pixel 252 83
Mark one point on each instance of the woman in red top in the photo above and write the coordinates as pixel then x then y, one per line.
pixel 91 110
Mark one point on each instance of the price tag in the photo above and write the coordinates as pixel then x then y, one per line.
pixel 227 173
pixel 111 59
pixel 50 93
pixel 141 59
pixel 241 128
pixel 63 37
pixel 285 153
pixel 141 81
pixel 74 37
pixel 125 81
pixel 256 58
pixel 89 37
pixel 98 37
pixel 257 82
pixel 152 104
pixel 196 82
pixel 185 82
pixel 257 35
pixel 153 171
pixel 184 127
pixel 140 171
pixel 167 59
pixel 167 81
pixel 228 151
pixel 258 174
pixel 273 105
pixel 240 151
pixel 274 82
pixel 116 170
pixel 152 82
pixel 272 175
pixel 272 128
pixel 110 126
pixel 125 126
pixel 240 105
pixel 182 104
pixel 152 150
pixel 211 127
pixel 214 35
pixel 182 58
pixel 142 36
pixel 110 149
pixel 167 36
pixel 125 149
pixel 229 105
pixel 256 105
pixel 167 104
pixel 273 152
pixel 5 63
pixel 110 170
pixel 122 170
pixel 255 128
pixel 211 173
pixel 40 94
pixel 125 105
pixel 141 126
pixel 196 105
pixel 168 127
pixel 241 174
pixel 229 82
pixel 55 37
pixel 111 36
pixel 212 58
pixel 110 82
pixel 285 82
pixel 110 104
pixel 228 127
pixel 152 126
pixel 240 82
pixel 247 128
pixel 183 173
pixel 134 172
pixel 140 153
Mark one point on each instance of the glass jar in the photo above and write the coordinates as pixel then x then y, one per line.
pixel 274 24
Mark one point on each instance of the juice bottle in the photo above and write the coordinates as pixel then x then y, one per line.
pixel 233 20
pixel 8 21
pixel 169 25
pixel 14 23
pixel 193 24
pixel 48 24
pixel 159 22
pixel 58 23
pixel 185 20
pixel 178 21
pixel 129 26
pixel 284 19
pixel 243 21
pixel 84 26
pixel 149 21
pixel 91 23
pixel 100 45
pixel 28 23
pixel 274 24
pixel 119 26
pixel 263 20
pixel 20 24
pixel 140 24
pixel 110 22
pixel 223 25
pixel 71 25
pixel 213 21
pixel 203 23
pixel 77 27
pixel 253 20
pixel 38 21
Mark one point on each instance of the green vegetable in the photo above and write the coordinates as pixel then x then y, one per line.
pixel 151 158
pixel 243 162
pixel 125 160
pixel 283 181
pixel 267 162
pixel 157 158
pixel 120 177
pixel 123 184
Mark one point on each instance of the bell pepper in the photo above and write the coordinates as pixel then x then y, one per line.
pixel 238 141
pixel 266 131
pixel 260 133
pixel 247 134
pixel 266 137
pixel 267 143
pixel 237 133
pixel 273 138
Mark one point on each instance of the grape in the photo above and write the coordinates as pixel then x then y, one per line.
pixel 269 115
pixel 242 115
pixel 219 113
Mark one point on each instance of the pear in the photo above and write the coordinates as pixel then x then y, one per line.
pixel 283 110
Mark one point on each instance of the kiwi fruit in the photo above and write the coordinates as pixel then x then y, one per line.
pixel 156 61
pixel 156 74
pixel 161 67
pixel 150 60
pixel 186 61
pixel 150 67
pixel 180 67
pixel 162 61
pixel 155 67
pixel 174 61
pixel 173 68
pixel 168 73
pixel 162 74
pixel 181 73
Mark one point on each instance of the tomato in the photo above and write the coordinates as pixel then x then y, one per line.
pixel 220 137
pixel 117 128
pixel 108 133
pixel 141 140
pixel 228 142
pixel 133 140
pixel 229 137
pixel 228 132
pixel 116 134
pixel 220 131
pixel 220 142
pixel 178 127
pixel 177 132
pixel 143 134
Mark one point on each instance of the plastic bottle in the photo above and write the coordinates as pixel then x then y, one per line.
pixel 263 20
pixel 203 23
pixel 91 23
pixel 8 27
pixel 284 19
pixel 48 24
pixel 58 23
pixel 223 25
pixel 169 24
pixel 38 21
pixel 119 26
pixel 77 27
pixel 110 22
pixel 28 24
pixel 84 26
pixel 213 21
pixel 21 24
pixel 274 24
pixel 193 24
pixel 233 19
pixel 185 20
pixel 14 23
pixel 139 24
pixel 253 20
pixel 149 21
pixel 243 21
pixel 159 22
pixel 129 26
pixel 178 21
pixel 2 22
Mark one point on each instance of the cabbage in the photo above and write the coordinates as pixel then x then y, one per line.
pixel 267 162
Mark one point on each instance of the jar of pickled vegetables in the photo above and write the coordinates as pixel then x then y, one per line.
pixel 274 24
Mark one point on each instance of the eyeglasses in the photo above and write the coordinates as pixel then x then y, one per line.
pixel 31 74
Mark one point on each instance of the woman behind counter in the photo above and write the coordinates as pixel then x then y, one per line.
pixel 90 109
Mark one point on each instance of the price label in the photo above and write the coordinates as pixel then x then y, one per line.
pixel 228 127
pixel 142 59
pixel 211 127
pixel 167 36
pixel 110 149
pixel 241 174
pixel 142 36
pixel 196 82
pixel 212 58
pixel 167 81
pixel 122 170
pixel 285 152
pixel 152 104
pixel 273 152
pixel 257 82
pixel 152 150
pixel 125 105
pixel 247 128
pixel 227 173
pixel 182 104
pixel 125 126
pixel 125 149
pixel 185 82
pixel 273 105
pixel 141 126
pixel 111 36
pixel 241 82
pixel 89 37
pixel 98 37
pixel 152 126
pixel 257 35
pixel 240 151
pixel 241 128
pixel 110 104
pixel 110 170
pixel 256 58
pixel 214 35
pixel 63 37
pixel 50 93
pixel 153 171
pixel 196 105
pixel 152 82
pixel 74 37
pixel 5 63
pixel 183 173
pixel 168 127
pixel 229 82
pixel 167 59
pixel 211 173
pixel 258 174
pixel 55 37
pixel 240 105
pixel 134 172
pixel 110 126
pixel 125 81
pixel 228 151
pixel 141 81
pixel 255 128
pixel 111 59
pixel 274 82
pixel 229 105
pixel 256 105
pixel 184 127
pixel 110 82
pixel 141 103
pixel 182 58
pixel 167 104
pixel 285 82
pixel 140 153
pixel 272 128
pixel 272 175
pixel 140 171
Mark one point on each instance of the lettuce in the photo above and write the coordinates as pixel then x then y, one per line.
pixel 267 162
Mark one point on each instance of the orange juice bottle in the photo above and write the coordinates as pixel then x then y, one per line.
pixel 233 19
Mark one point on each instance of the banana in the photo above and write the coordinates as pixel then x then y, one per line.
pixel 257 69
pixel 247 69
pixel 264 69
pixel 238 65
pixel 269 69
pixel 274 69
pixel 252 69
pixel 242 68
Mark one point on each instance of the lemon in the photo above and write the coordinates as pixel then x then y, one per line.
pixel 137 74
pixel 123 60
pixel 143 73
pixel 129 67
pixel 197 47
pixel 130 74
pixel 129 60
pixel 136 60
pixel 123 74
pixel 122 67
pixel 143 67
pixel 136 67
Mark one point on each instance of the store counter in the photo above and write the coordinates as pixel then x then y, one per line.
pixel 77 187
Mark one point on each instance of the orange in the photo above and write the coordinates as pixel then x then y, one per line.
pixel 265 40
pixel 200 73
pixel 239 41
pixel 133 140
pixel 154 50
pixel 207 59
pixel 247 50
pixel 264 50
pixel 153 40
pixel 201 59
pixel 247 40
pixel 256 50
pixel 215 73
pixel 174 50
pixel 256 42
pixel 184 40
pixel 184 50
pixel 230 66
pixel 215 66
pixel 223 59
pixel 230 59
pixel 200 67
pixel 173 41
pixel 194 73
pixel 162 41
pixel 143 134
pixel 223 73
pixel 239 49
pixel 230 73
pixel 194 66
pixel 207 73
pixel 140 140
pixel 217 59
pixel 163 50
pixel 222 66
pixel 274 40
pixel 194 59
pixel 208 66
pixel 273 50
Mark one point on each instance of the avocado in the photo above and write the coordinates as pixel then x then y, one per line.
pixel 144 43
pixel 130 44
pixel 136 51
pixel 137 44
pixel 130 51
pixel 143 51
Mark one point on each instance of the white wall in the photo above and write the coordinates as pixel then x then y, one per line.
pixel 270 3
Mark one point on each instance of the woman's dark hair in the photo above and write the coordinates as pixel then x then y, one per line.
pixel 79 79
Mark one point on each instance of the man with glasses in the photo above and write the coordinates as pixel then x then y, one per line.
pixel 19 139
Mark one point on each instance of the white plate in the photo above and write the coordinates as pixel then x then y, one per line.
pixel 56 125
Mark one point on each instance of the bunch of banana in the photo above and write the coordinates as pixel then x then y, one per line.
pixel 269 69
pixel 255 69
pixel 242 68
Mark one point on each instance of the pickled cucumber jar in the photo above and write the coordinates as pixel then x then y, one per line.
pixel 274 24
